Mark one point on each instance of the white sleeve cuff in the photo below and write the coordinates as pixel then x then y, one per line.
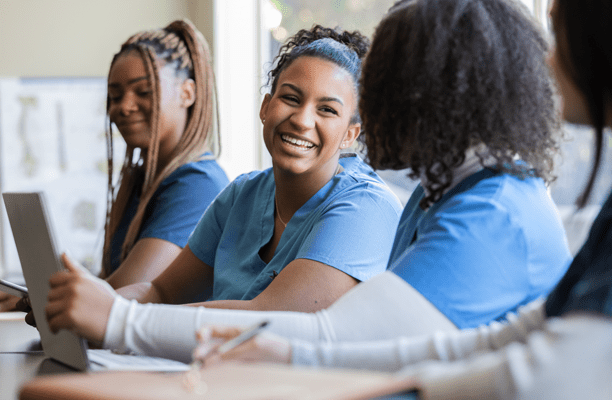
pixel 116 324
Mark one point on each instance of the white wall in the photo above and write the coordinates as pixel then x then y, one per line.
pixel 238 68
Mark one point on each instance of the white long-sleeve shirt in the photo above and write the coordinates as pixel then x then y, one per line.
pixel 528 356
pixel 567 358
pixel 396 353
pixel 383 307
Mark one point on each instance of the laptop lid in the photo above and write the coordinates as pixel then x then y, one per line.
pixel 39 259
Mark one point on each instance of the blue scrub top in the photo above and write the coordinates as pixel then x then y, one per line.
pixel 176 206
pixel 348 224
pixel 489 245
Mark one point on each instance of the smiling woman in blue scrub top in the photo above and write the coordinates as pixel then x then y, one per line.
pixel 299 235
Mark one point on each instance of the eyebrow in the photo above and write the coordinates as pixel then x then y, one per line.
pixel 132 81
pixel 301 93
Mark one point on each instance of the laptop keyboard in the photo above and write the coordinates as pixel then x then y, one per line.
pixel 105 359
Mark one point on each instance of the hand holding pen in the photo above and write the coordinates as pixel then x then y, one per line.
pixel 230 343
pixel 218 341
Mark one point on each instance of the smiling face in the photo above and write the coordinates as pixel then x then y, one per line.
pixel 307 119
pixel 131 103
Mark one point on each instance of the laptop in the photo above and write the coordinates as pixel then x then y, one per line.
pixel 39 259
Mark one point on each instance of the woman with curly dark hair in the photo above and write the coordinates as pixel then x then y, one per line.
pixel 465 100
pixel 477 86
pixel 294 237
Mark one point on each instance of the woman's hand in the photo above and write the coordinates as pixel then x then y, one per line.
pixel 8 302
pixel 24 305
pixel 265 347
pixel 79 302
pixel 14 303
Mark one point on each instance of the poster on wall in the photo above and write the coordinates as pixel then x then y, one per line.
pixel 52 139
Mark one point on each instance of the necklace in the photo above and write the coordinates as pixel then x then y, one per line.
pixel 278 213
pixel 338 169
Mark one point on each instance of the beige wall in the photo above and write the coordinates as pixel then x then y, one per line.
pixel 79 37
pixel 201 13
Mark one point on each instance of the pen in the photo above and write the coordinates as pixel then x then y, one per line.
pixel 243 337
pixel 192 379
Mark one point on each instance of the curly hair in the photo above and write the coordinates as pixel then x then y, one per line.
pixel 323 43
pixel 183 47
pixel 446 75
pixel 583 35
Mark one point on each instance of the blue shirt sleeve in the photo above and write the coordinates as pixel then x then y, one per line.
pixel 349 224
pixel 355 233
pixel 181 200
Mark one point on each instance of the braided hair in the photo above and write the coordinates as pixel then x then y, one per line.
pixel 183 47
pixel 343 48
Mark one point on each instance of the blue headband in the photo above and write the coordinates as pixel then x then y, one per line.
pixel 334 51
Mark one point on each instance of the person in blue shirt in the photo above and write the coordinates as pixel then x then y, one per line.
pixel 480 236
pixel 301 234
pixel 491 243
pixel 160 98
pixel 234 234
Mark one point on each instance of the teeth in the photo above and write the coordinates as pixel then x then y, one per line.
pixel 297 142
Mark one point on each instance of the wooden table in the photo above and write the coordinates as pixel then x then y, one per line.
pixel 221 382
pixel 21 358
pixel 24 369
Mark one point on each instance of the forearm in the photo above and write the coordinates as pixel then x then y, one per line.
pixel 303 286
pixel 568 358
pixel 256 304
pixel 230 305
pixel 169 330
pixel 394 354
pixel 143 292
pixel 8 302
pixel 146 260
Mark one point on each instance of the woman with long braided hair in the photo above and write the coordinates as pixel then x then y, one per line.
pixel 161 99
